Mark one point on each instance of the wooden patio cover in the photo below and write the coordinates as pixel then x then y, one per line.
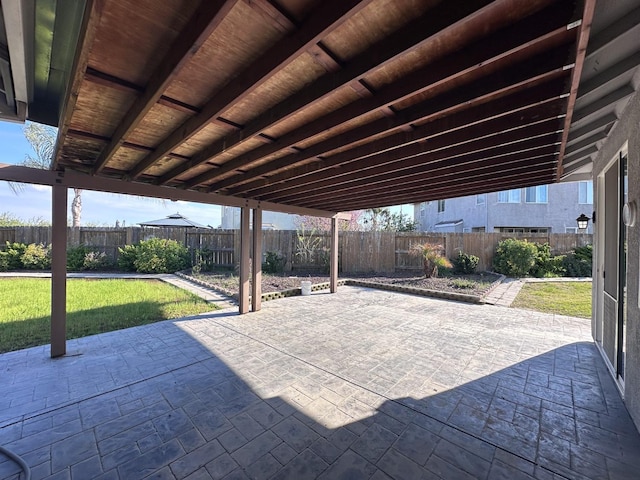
pixel 326 104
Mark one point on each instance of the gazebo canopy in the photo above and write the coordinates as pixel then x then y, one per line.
pixel 175 220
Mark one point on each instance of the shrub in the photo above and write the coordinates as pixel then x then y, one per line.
pixel 465 263
pixel 547 265
pixel 75 258
pixel 273 263
pixel 36 257
pixel 462 283
pixel 12 256
pixel 126 258
pixel 578 263
pixel 515 258
pixel 96 261
pixel 432 258
pixel 159 255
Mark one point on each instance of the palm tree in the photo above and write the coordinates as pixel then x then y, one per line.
pixel 43 141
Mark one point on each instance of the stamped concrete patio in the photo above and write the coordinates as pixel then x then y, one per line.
pixel 357 385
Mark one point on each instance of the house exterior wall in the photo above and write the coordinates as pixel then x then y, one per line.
pixel 627 130
pixel 558 214
pixel 270 220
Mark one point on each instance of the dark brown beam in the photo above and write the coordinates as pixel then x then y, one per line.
pixel 102 139
pixel 580 52
pixel 464 167
pixel 464 98
pixel 458 189
pixel 452 160
pixel 536 103
pixel 486 57
pixel 436 23
pixel 110 81
pixel 509 82
pixel 206 18
pixel 365 172
pixel 273 14
pixel 488 171
pixel 329 15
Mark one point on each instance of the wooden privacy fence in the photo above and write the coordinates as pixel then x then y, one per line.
pixel 359 252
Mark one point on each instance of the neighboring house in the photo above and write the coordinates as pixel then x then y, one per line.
pixel 270 220
pixel 543 209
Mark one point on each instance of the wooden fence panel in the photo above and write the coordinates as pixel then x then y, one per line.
pixel 358 251
pixel 364 252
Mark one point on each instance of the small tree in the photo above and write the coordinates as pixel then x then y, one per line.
pixel 432 258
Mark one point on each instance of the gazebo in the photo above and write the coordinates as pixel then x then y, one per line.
pixel 175 220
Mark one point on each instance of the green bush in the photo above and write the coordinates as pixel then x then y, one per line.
pixel 75 258
pixel 515 258
pixel 126 258
pixel 11 256
pixel 578 263
pixel 155 255
pixel 273 263
pixel 96 261
pixel 36 257
pixel 547 265
pixel 465 263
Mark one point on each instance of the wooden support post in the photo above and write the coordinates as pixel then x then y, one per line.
pixel 245 240
pixel 333 269
pixel 59 271
pixel 256 271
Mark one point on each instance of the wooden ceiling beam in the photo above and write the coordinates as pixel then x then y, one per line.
pixel 329 15
pixel 459 189
pixel 536 103
pixel 580 52
pixel 425 180
pixel 423 156
pixel 206 18
pixel 471 64
pixel 516 79
pixel 435 24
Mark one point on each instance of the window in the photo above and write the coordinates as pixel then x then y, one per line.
pixel 537 194
pixel 477 229
pixel 570 229
pixel 481 199
pixel 440 206
pixel 509 196
pixel 585 192
pixel 522 229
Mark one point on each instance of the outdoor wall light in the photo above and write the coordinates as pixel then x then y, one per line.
pixel 583 221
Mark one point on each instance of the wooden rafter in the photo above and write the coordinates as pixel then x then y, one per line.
pixel 507 82
pixel 203 22
pixel 328 16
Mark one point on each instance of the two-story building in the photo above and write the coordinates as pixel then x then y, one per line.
pixel 542 209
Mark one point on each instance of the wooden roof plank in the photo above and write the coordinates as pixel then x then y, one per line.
pixel 513 80
pixel 426 28
pixel 329 15
pixel 538 102
pixel 204 21
pixel 487 56
pixel 419 155
pixel 484 170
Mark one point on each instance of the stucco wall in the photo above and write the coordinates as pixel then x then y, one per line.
pixel 561 211
pixel 628 129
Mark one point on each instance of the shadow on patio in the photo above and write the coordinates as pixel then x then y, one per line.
pixel 210 397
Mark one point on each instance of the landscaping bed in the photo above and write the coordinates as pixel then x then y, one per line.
pixel 457 287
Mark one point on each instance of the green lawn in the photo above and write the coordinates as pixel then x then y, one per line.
pixel 564 298
pixel 93 306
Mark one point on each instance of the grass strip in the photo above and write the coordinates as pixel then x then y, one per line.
pixel 93 306
pixel 564 298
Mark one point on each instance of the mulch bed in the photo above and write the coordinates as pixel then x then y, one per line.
pixel 477 284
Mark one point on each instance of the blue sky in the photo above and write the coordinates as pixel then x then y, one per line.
pixel 97 208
